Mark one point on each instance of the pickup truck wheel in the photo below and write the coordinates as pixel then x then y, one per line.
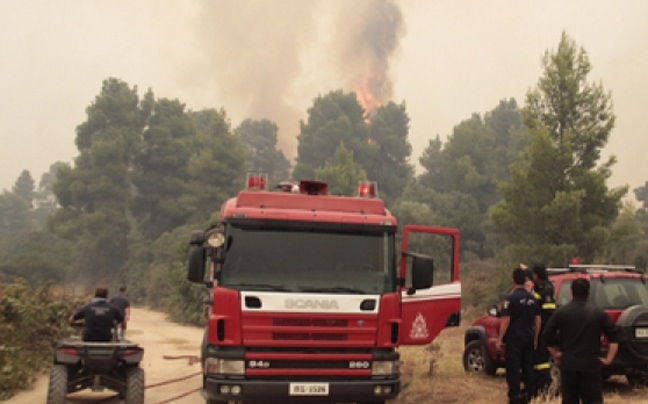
pixel 476 359
pixel 630 322
pixel 57 389
pixel 134 386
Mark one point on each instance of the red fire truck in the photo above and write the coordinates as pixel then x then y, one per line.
pixel 311 294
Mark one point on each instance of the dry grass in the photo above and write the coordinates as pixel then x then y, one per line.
pixel 434 374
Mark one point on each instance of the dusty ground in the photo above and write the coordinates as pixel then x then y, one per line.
pixel 159 338
pixel 431 374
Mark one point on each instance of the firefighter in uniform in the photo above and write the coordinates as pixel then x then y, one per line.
pixel 543 291
pixel 520 328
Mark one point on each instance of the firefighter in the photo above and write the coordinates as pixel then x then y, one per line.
pixel 519 328
pixel 543 291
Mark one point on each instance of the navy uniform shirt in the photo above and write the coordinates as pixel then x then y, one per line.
pixel 99 317
pixel 522 307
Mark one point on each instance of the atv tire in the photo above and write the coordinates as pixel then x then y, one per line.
pixel 476 359
pixel 134 386
pixel 57 390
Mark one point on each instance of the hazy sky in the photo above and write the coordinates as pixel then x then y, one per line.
pixel 269 59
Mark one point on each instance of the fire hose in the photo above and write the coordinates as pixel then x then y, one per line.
pixel 192 359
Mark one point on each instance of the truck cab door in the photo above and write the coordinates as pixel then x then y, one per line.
pixel 429 303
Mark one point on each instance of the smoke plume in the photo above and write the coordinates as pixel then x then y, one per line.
pixel 268 59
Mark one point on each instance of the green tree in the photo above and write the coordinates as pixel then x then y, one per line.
pixel 333 118
pixel 95 194
pixel 15 218
pixel 45 200
pixel 260 139
pixel 387 161
pixel 160 173
pixel 217 168
pixel 557 204
pixel 24 188
pixel 626 236
pixel 341 174
pixel 465 171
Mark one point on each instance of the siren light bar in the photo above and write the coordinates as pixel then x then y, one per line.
pixel 256 182
pixel 368 189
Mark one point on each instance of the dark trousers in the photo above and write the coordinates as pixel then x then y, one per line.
pixel 584 386
pixel 519 368
pixel 542 368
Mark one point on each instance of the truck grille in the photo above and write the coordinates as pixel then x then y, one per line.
pixel 305 334
pixel 261 329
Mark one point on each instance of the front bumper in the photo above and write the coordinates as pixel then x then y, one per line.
pixel 278 391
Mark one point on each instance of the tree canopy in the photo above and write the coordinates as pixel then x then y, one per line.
pixel 557 204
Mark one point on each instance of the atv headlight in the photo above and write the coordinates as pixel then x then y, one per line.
pixel 215 366
pixel 384 368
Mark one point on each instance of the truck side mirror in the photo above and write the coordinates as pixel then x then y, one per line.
pixel 422 271
pixel 198 237
pixel 196 264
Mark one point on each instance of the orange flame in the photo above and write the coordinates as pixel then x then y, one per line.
pixel 368 93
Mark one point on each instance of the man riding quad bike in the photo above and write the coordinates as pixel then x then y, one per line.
pixel 96 361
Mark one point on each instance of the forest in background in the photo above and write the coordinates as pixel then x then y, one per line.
pixel 522 184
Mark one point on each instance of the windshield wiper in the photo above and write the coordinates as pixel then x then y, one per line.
pixel 335 289
pixel 258 286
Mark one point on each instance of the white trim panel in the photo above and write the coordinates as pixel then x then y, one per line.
pixel 441 292
pixel 309 302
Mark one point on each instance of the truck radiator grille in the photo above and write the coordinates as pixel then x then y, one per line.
pixel 309 329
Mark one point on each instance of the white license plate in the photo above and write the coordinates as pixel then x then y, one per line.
pixel 309 389
pixel 641 332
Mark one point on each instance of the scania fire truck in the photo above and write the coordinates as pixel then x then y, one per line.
pixel 311 294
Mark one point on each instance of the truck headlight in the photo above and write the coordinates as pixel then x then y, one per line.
pixel 384 368
pixel 216 366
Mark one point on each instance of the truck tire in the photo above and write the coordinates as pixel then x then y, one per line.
pixel 134 386
pixel 476 359
pixel 58 380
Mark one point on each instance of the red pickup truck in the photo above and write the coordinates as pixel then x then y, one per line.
pixel 622 291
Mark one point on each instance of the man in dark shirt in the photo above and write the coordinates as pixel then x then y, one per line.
pixel 519 328
pixel 573 336
pixel 99 317
pixel 122 302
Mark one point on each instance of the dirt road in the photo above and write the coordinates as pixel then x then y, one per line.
pixel 160 338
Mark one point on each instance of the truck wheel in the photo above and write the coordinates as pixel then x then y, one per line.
pixel 476 359
pixel 57 389
pixel 134 386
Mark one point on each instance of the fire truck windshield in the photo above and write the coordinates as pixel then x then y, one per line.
pixel 312 260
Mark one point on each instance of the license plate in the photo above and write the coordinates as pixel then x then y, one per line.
pixel 309 389
pixel 641 332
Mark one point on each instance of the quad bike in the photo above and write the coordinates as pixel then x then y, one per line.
pixel 80 365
